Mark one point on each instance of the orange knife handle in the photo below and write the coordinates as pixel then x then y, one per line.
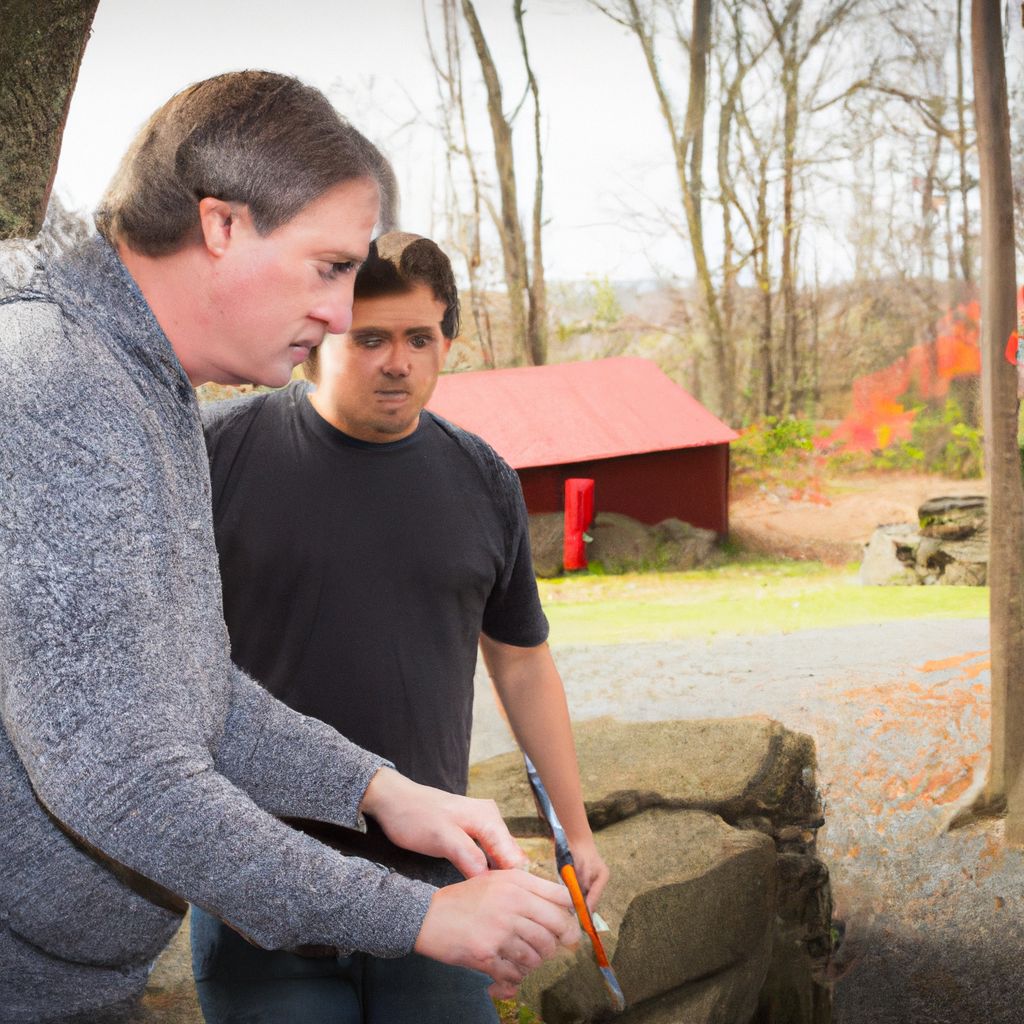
pixel 568 874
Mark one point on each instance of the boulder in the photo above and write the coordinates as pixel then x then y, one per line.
pixel 718 883
pixel 547 531
pixel 948 546
pixel 620 543
pixel 718 906
pixel 751 771
pixel 681 546
pixel 890 555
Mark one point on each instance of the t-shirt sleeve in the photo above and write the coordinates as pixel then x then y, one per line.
pixel 513 614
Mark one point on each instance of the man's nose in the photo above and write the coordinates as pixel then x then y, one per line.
pixel 335 310
pixel 396 361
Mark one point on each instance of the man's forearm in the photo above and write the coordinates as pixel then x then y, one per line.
pixel 531 692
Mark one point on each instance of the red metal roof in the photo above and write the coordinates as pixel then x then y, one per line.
pixel 574 412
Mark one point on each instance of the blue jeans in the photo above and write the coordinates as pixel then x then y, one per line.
pixel 239 983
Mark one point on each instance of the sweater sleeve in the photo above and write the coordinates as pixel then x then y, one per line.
pixel 136 732
pixel 290 764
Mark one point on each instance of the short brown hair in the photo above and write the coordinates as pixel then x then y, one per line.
pixel 396 263
pixel 253 137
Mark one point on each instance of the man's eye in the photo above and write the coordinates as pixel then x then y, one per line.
pixel 370 341
pixel 335 270
pixel 420 340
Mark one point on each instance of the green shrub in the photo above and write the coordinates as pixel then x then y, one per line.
pixel 940 442
pixel 773 443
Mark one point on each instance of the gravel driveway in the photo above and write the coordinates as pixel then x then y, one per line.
pixel 900 712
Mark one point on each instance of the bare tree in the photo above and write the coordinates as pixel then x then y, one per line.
pixel 796 45
pixel 513 243
pixel 464 223
pixel 537 318
pixel 686 135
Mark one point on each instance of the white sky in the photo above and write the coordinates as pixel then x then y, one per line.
pixel 606 148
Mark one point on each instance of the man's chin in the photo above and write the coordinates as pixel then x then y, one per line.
pixel 395 430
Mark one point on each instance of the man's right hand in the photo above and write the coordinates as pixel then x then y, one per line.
pixel 504 923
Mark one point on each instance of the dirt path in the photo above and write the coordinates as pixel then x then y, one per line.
pixel 832 521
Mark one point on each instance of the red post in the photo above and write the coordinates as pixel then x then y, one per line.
pixel 579 514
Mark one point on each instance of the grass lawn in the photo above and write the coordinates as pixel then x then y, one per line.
pixel 742 597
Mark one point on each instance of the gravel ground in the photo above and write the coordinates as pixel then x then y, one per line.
pixel 900 713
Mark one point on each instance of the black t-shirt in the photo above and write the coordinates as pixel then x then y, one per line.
pixel 357 578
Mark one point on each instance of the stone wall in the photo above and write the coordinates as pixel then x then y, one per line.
pixel 719 909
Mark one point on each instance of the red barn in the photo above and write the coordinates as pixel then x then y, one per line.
pixel 652 450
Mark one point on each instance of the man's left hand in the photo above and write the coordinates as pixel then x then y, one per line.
pixel 591 869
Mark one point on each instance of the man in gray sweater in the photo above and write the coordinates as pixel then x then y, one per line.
pixel 139 769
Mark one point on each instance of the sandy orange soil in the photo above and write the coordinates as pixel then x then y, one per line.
pixel 833 519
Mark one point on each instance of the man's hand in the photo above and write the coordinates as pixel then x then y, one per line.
pixel 504 923
pixel 591 869
pixel 440 824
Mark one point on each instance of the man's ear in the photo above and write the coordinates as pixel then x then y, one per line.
pixel 446 347
pixel 217 223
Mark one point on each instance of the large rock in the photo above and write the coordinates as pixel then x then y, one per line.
pixel 948 546
pixel 547 532
pixel 718 884
pixel 682 546
pixel 620 544
pixel 741 768
pixel 890 556
pixel 623 544
pixel 717 904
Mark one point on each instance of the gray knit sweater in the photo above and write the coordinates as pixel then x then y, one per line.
pixel 138 766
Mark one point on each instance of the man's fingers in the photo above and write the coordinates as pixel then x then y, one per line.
pixel 465 854
pixel 501 849
pixel 543 942
pixel 522 954
pixel 595 888
pixel 507 977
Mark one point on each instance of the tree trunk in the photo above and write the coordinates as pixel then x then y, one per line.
pixel 999 384
pixel 537 320
pixel 692 156
pixel 41 47
pixel 513 246
pixel 762 270
pixel 463 227
pixel 966 258
pixel 787 279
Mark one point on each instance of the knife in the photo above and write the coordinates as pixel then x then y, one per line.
pixel 567 872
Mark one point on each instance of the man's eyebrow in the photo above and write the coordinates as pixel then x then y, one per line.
pixel 340 256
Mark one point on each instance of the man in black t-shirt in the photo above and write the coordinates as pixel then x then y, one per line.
pixel 366 548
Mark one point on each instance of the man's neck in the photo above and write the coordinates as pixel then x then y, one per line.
pixel 173 290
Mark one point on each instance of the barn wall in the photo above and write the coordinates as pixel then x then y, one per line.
pixel 691 484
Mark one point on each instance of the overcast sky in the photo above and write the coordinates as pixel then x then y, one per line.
pixel 606 150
